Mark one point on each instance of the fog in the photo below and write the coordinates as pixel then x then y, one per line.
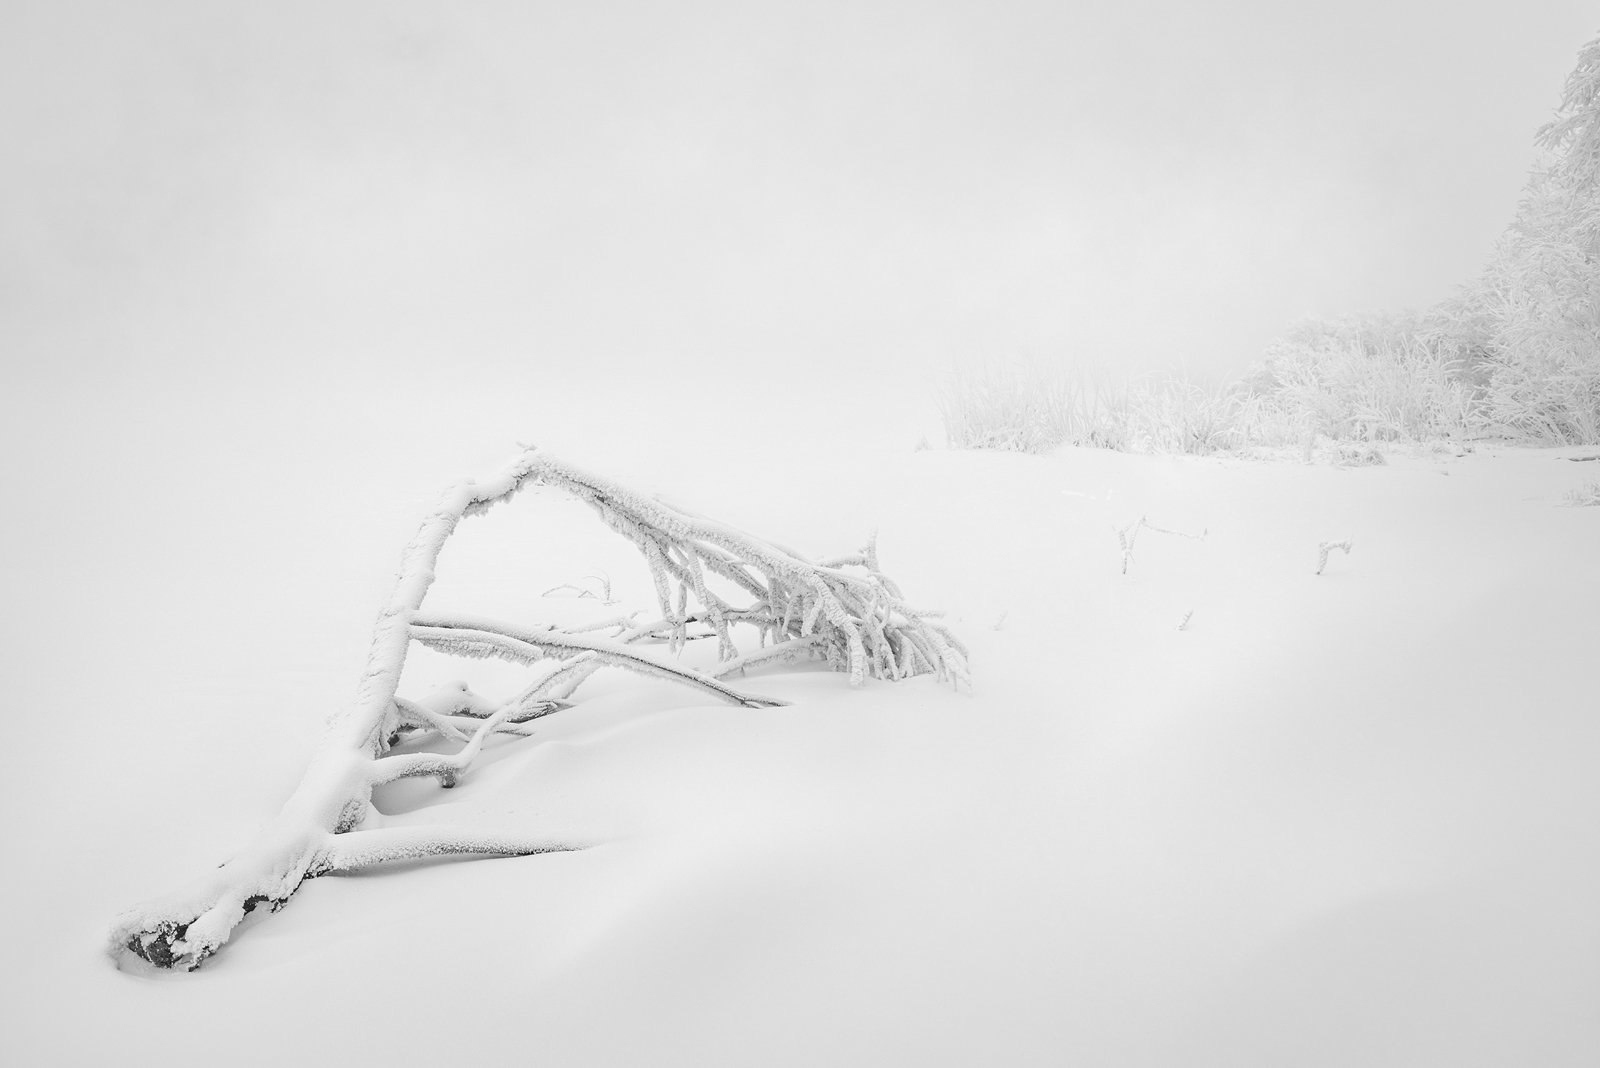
pixel 865 189
pixel 273 266
pixel 272 274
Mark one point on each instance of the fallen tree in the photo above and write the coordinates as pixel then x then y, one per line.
pixel 844 611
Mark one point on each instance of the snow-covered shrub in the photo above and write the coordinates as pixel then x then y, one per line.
pixel 1359 454
pixel 843 610
pixel 1175 414
pixel 1014 406
pixel 1034 407
pixel 1585 496
pixel 1529 328
pixel 1379 378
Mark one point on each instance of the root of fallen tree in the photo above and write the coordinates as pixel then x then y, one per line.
pixel 844 611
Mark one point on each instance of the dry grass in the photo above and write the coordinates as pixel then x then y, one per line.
pixel 1585 496
pixel 1026 407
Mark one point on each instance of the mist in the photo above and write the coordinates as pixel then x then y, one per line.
pixel 440 205
pixel 272 275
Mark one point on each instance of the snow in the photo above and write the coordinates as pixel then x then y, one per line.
pixel 1337 819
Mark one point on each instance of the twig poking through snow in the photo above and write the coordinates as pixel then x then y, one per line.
pixel 1327 547
pixel 1130 534
pixel 585 591
pixel 1186 617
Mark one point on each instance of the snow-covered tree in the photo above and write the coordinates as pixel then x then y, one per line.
pixel 1516 353
pixel 1569 187
pixel 711 581
pixel 1533 317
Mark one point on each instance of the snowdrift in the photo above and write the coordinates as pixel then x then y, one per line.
pixel 1208 808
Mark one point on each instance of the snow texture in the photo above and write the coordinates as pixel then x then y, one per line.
pixel 1338 819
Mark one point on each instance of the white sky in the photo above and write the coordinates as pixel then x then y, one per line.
pixel 478 193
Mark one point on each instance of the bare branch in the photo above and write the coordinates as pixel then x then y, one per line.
pixel 491 638
pixel 855 619
pixel 360 850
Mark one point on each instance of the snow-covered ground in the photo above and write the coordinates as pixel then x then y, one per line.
pixel 1337 819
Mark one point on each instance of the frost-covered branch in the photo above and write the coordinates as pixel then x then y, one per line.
pixel 1327 547
pixel 483 638
pixel 366 849
pixel 843 610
